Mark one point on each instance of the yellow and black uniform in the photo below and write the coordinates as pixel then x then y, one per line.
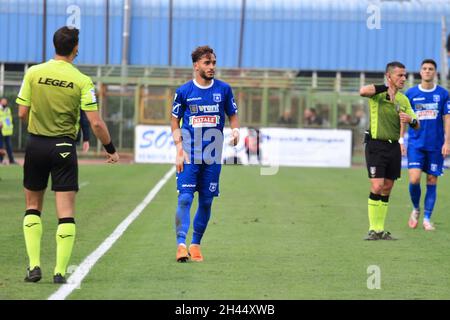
pixel 54 91
pixel 383 154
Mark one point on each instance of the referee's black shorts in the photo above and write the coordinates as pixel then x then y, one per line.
pixel 50 155
pixel 383 159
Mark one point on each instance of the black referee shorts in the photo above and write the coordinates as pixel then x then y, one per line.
pixel 383 159
pixel 50 155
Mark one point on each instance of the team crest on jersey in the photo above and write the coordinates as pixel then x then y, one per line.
pixel 217 97
pixel 433 167
pixel 213 186
pixel 193 108
pixel 373 171
pixel 436 98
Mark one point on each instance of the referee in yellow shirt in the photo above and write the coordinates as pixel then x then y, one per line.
pixel 49 100
pixel 390 111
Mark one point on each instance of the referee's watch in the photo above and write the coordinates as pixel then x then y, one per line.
pixel 413 123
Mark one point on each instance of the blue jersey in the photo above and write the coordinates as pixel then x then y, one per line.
pixel 430 107
pixel 203 110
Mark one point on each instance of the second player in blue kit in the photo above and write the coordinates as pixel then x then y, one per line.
pixel 428 146
pixel 198 117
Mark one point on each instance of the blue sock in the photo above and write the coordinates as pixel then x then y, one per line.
pixel 201 218
pixel 183 217
pixel 414 193
pixel 430 200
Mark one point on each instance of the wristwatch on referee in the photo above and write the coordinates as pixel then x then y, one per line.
pixel 413 123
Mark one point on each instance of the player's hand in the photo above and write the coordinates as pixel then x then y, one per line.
pixel 403 149
pixel 86 146
pixel 235 135
pixel 112 158
pixel 446 149
pixel 405 118
pixel 182 156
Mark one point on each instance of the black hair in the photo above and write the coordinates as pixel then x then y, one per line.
pixel 65 39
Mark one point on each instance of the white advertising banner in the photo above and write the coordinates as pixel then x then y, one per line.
pixel 278 146
pixel 306 147
pixel 154 144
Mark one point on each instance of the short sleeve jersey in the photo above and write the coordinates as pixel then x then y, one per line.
pixel 55 91
pixel 430 107
pixel 384 115
pixel 202 111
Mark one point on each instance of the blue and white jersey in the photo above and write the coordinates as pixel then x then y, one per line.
pixel 202 110
pixel 430 107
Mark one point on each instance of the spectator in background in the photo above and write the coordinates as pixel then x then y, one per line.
pixel 252 145
pixel 286 118
pixel 345 120
pixel 311 118
pixel 6 130
pixel 360 119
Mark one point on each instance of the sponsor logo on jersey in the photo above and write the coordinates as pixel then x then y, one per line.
pixel 427 114
pixel 217 97
pixel 419 99
pixel 436 98
pixel 204 121
pixel 213 186
pixel 193 108
pixel 55 82
pixel 414 163
pixel 193 99
pixel 210 108
pixel 187 185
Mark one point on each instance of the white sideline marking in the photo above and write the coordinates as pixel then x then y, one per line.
pixel 83 269
pixel 83 184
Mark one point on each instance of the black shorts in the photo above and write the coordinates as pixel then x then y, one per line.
pixel 383 159
pixel 48 155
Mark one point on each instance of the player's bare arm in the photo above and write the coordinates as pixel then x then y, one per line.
pixel 446 146
pixel 367 91
pixel 23 113
pixel 234 124
pixel 181 155
pixel 100 130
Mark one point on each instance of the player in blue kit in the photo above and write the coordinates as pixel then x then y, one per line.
pixel 428 146
pixel 200 107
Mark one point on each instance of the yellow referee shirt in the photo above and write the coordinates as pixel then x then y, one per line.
pixel 55 91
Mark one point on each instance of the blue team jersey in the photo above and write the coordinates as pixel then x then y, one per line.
pixel 430 107
pixel 203 110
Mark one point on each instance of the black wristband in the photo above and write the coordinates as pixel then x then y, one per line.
pixel 413 123
pixel 109 148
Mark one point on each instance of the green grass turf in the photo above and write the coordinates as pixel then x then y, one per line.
pixel 294 235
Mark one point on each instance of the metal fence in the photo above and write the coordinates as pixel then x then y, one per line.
pixel 266 98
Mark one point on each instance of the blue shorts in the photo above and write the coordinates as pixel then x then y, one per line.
pixel 203 178
pixel 430 162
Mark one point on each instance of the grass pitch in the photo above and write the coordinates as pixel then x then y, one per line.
pixel 294 235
